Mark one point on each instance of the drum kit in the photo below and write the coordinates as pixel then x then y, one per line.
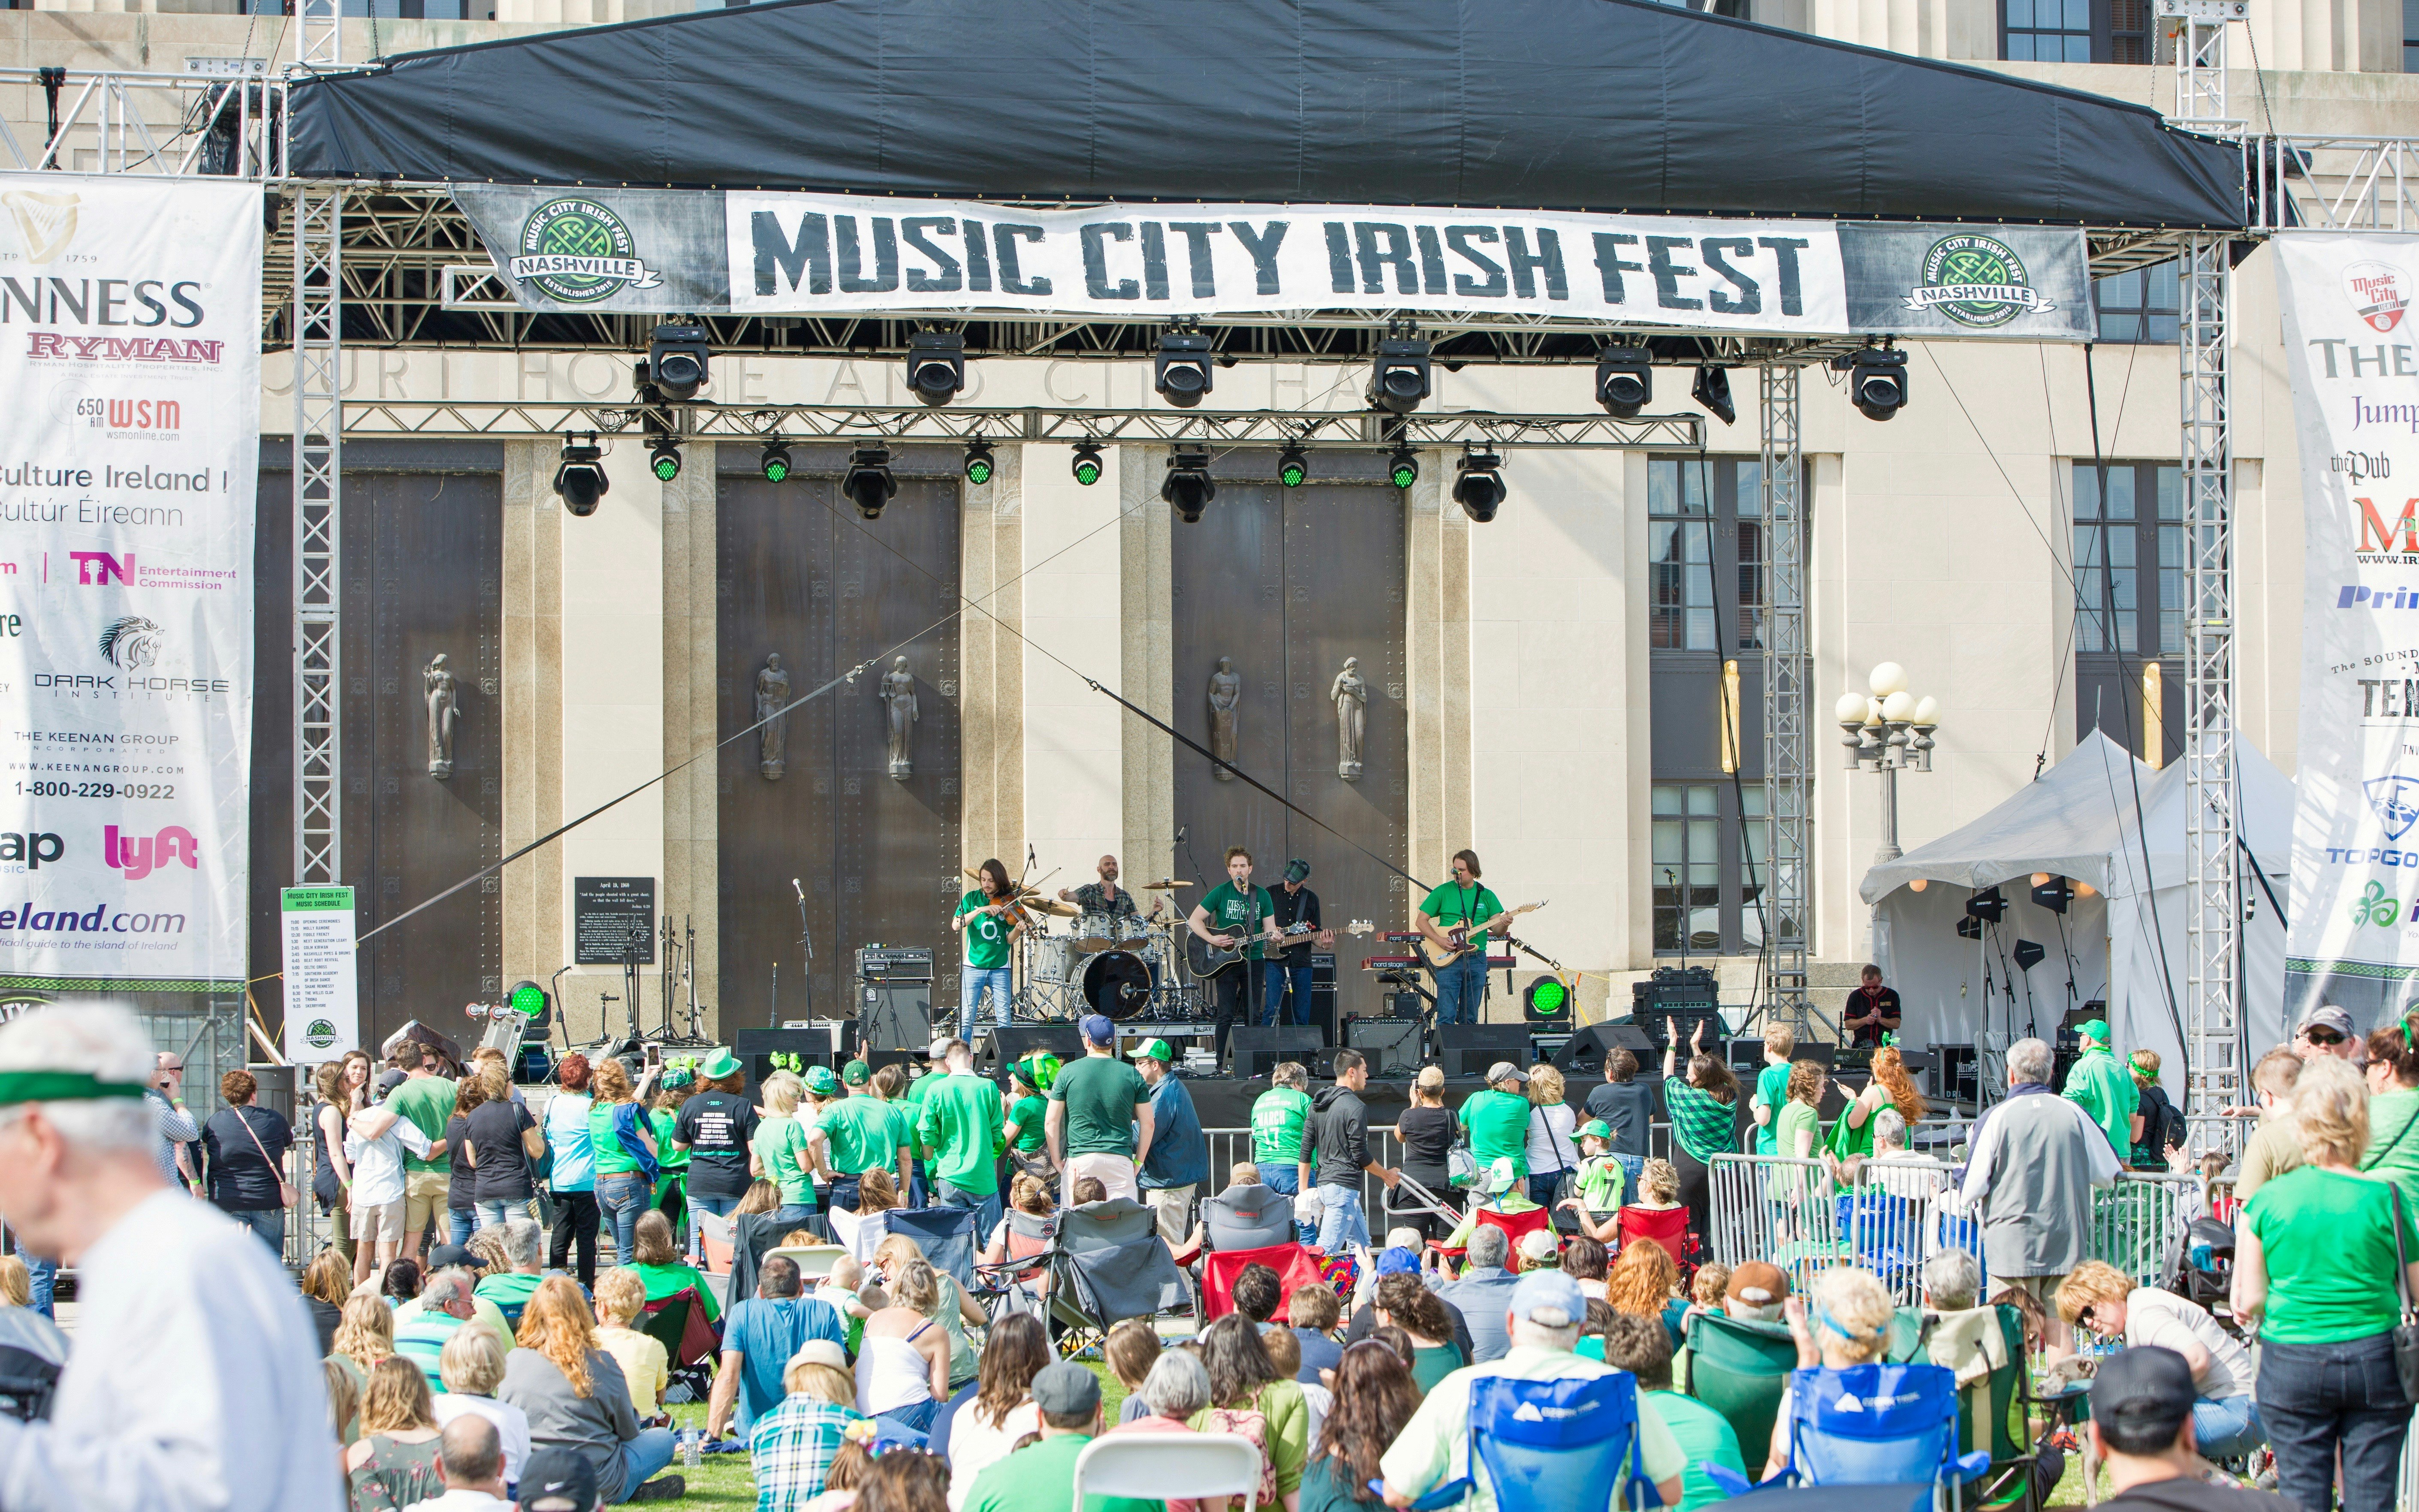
pixel 1124 965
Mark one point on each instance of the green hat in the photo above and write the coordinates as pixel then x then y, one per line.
pixel 820 1081
pixel 677 1077
pixel 718 1065
pixel 1595 1129
pixel 1039 1069
pixel 2094 1029
pixel 1156 1050
pixel 856 1074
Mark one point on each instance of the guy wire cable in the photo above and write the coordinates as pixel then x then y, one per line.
pixel 1764 945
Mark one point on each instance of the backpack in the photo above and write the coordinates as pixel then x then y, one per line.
pixel 1246 1422
pixel 2162 1125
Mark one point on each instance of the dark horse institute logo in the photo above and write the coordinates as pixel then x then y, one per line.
pixel 1975 281
pixel 579 252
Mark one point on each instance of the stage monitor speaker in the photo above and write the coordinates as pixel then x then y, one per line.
pixel 815 1045
pixel 1258 1050
pixel 1585 1051
pixel 1469 1049
pixel 896 1015
pixel 1392 1045
pixel 1009 1043
pixel 1322 969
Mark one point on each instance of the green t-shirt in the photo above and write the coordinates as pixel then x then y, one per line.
pixel 1846 1139
pixel 1453 905
pixel 1029 1114
pixel 2103 1088
pixel 1277 1118
pixel 780 1142
pixel 1041 1479
pixel 1232 913
pixel 987 936
pixel 611 1159
pixel 429 1103
pixel 1498 1125
pixel 1795 1118
pixel 508 1289
pixel 1772 1090
pixel 2328 1239
pixel 864 1135
pixel 670 1280
pixel 2394 1142
pixel 1601 1181
pixel 672 1160
pixel 1706 1437
pixel 1100 1093
pixel 961 1126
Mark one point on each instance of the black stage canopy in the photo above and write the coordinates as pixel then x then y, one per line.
pixel 1604 105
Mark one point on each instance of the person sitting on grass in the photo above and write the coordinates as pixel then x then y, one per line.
pixel 791 1448
pixel 470 1462
pixel 2142 1427
pixel 658 1263
pixel 1001 1413
pixel 472 1365
pixel 646 1367
pixel 1129 1351
pixel 1040 1477
pixel 758 1341
pixel 393 1465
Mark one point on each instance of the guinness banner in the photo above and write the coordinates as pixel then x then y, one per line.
pixel 130 375
pixel 783 254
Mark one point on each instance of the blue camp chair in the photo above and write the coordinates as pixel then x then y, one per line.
pixel 945 1235
pixel 1561 1445
pixel 1873 1424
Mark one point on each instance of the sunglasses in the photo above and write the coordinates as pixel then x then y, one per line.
pixel 2322 1036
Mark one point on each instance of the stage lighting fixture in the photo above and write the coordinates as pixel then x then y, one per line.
pixel 1088 463
pixel 1877 381
pixel 1713 390
pixel 776 460
pixel 1399 379
pixel 2028 955
pixel 979 464
pixel 1969 928
pixel 1189 486
pixel 1990 903
pixel 581 481
pixel 528 1000
pixel 1402 467
pixel 868 482
pixel 1293 466
pixel 1546 1000
pixel 663 458
pixel 1180 372
pixel 1624 380
pixel 936 365
pixel 676 360
pixel 2054 895
pixel 1478 485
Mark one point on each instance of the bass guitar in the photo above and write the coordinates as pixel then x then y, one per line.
pixel 1466 938
pixel 1207 960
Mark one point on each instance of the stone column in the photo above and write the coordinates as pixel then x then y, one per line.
pixel 991 661
pixel 692 867
pixel 534 890
pixel 1145 586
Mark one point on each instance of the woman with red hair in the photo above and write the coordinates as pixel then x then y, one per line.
pixel 572 1176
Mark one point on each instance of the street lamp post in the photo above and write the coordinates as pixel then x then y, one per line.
pixel 1887 730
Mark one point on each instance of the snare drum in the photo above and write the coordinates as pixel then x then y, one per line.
pixel 1131 930
pixel 1058 958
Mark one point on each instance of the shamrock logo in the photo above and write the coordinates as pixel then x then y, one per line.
pixel 2374 908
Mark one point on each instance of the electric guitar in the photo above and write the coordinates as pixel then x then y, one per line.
pixel 1467 938
pixel 1207 960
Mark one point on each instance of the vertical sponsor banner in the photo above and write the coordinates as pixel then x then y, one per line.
pixel 130 377
pixel 322 984
pixel 2348 344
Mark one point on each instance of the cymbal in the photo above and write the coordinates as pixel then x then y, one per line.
pixel 1039 905
pixel 1168 885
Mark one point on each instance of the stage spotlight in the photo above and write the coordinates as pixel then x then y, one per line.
pixel 1293 466
pixel 1180 372
pixel 936 365
pixel 2054 894
pixel 529 1001
pixel 1877 381
pixel 1990 903
pixel 869 484
pixel 1088 463
pixel 2028 955
pixel 580 480
pixel 1189 486
pixel 1402 467
pixel 676 360
pixel 776 460
pixel 663 458
pixel 1399 380
pixel 1478 485
pixel 1624 380
pixel 980 465
pixel 1713 390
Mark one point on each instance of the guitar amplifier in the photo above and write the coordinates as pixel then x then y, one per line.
pixel 894 962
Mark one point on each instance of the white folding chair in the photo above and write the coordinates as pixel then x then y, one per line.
pixel 814 1262
pixel 1160 1466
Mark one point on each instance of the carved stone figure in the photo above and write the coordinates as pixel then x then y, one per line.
pixel 1226 692
pixel 773 740
pixel 444 713
pixel 1351 696
pixel 898 700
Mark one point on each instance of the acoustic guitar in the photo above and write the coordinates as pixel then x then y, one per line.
pixel 1467 938
pixel 1206 959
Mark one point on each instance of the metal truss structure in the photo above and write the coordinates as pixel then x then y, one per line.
pixel 319 518
pixel 1788 675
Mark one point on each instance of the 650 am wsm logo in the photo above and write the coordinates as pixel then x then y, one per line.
pixel 1975 281
pixel 579 252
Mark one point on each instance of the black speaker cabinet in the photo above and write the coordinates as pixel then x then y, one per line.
pixel 1009 1045
pixel 896 1015
pixel 1585 1051
pixel 1392 1045
pixel 813 1046
pixel 1258 1050
pixel 1469 1049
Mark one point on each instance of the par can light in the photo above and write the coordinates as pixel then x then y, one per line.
pixel 1402 467
pixel 1088 463
pixel 776 460
pixel 980 465
pixel 1293 466
pixel 663 458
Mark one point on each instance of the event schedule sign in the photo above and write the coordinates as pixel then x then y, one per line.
pixel 323 1015
pixel 2352 353
pixel 788 254
pixel 130 377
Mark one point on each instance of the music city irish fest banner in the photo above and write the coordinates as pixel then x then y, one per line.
pixel 130 377
pixel 2352 352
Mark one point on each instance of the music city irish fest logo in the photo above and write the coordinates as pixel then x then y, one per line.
pixel 2380 293
pixel 579 252
pixel 1975 281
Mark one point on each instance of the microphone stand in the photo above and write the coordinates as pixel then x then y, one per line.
pixel 806 942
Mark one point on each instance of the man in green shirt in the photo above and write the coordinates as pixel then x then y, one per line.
pixel 1235 913
pixel 960 1122
pixel 1100 1115
pixel 1463 903
pixel 1278 1116
pixel 1042 1478
pixel 2102 1087
pixel 427 1099
pixel 862 1132
pixel 1497 1121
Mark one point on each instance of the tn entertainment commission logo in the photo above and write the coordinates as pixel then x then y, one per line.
pixel 579 252
pixel 1975 281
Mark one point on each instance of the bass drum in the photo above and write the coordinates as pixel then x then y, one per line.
pixel 1058 958
pixel 1116 983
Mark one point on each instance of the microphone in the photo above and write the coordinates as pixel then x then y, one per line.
pixel 1182 831
pixel 801 891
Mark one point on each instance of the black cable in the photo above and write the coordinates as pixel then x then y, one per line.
pixel 1767 946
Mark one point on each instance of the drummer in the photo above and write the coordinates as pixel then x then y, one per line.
pixel 1106 897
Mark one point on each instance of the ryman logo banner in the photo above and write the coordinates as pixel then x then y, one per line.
pixel 2355 373
pixel 786 253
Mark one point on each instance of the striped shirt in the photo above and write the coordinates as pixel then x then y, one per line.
pixel 1701 1122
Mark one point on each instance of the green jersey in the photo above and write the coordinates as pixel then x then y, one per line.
pixel 1277 1119
pixel 986 935
pixel 667 1156
pixel 780 1142
pixel 864 1135
pixel 1497 1126
pixel 2102 1088
pixel 1030 1114
pixel 1771 1091
pixel 961 1126
pixel 1241 913
pixel 1453 905
pixel 2328 1243
pixel 429 1103
pixel 1100 1093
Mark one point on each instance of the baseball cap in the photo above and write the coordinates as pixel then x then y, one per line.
pixel 1099 1028
pixel 2094 1029
pixel 821 1081
pixel 1539 1246
pixel 443 1255
pixel 1157 1050
pixel 856 1074
pixel 557 1478
pixel 1595 1129
pixel 2327 1016
pixel 939 1047
pixel 1549 1299
pixel 821 1351
pixel 1396 1260
pixel 1065 1388
pixel 1502 1070
pixel 1758 1282
pixel 2143 1393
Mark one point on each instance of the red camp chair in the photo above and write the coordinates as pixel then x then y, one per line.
pixel 1296 1267
pixel 1667 1226
pixel 696 1341
pixel 1516 1226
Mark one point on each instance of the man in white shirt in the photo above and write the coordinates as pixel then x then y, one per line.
pixel 374 1140
pixel 195 1384
pixel 470 1460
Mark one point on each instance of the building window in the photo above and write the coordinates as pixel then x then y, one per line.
pixel 2077 31
pixel 2410 36
pixel 2129 612
pixel 1708 848
pixel 2140 304
pixel 1704 527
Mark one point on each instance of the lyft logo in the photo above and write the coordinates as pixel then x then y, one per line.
pixel 94 569
pixel 137 857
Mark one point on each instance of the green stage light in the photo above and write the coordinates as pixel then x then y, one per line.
pixel 1403 467
pixel 1293 468
pixel 979 463
pixel 1546 997
pixel 663 458
pixel 775 461
pixel 1088 463
pixel 528 1000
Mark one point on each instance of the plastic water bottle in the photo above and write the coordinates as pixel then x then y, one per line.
pixel 692 1448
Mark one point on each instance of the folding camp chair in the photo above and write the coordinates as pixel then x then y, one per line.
pixel 1019 1280
pixel 714 1238
pixel 814 1262
pixel 1296 1267
pixel 1738 1369
pixel 1874 1425
pixel 1155 1467
pixel 945 1235
pixel 1667 1226
pixel 678 1322
pixel 1569 1444
pixel 1106 1264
